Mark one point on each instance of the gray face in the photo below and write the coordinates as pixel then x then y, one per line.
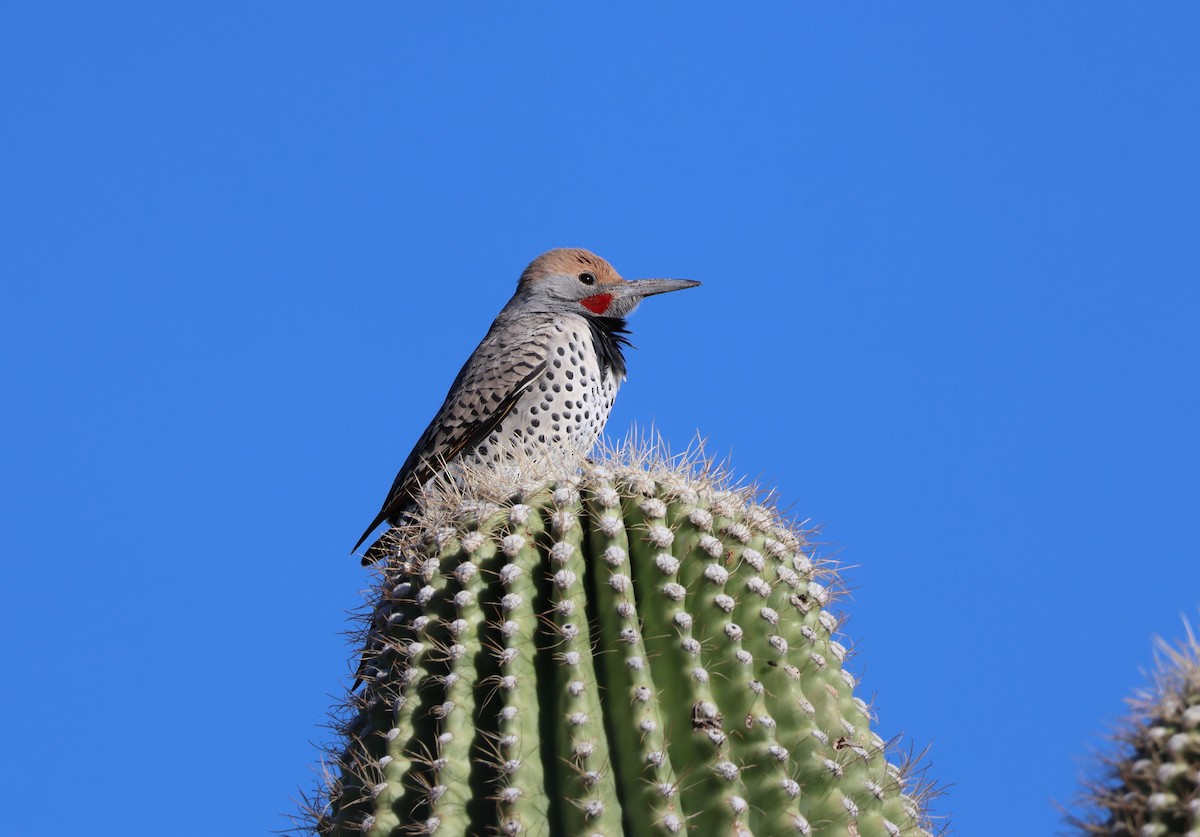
pixel 587 294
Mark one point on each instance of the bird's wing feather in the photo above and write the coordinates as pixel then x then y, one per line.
pixel 486 390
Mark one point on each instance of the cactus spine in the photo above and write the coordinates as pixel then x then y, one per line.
pixel 1153 783
pixel 631 649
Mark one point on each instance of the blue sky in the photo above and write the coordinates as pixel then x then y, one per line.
pixel 950 308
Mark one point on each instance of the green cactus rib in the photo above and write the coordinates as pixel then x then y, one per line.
pixel 520 780
pixel 1152 786
pixel 633 649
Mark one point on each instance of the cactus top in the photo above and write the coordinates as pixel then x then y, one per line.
pixel 633 648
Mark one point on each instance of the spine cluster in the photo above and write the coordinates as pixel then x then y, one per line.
pixel 623 651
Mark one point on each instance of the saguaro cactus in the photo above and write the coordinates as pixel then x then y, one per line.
pixel 1152 786
pixel 635 648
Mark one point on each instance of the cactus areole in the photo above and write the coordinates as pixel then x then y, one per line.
pixel 628 649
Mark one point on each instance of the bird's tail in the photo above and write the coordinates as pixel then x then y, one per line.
pixel 383 548
pixel 380 518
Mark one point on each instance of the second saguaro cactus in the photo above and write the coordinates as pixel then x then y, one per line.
pixel 632 649
pixel 1151 786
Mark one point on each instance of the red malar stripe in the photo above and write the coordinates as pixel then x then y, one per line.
pixel 597 304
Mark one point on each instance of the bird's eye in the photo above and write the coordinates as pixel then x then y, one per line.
pixel 587 278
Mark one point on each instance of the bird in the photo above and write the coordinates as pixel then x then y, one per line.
pixel 542 382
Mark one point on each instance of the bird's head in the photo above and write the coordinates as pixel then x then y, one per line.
pixel 571 280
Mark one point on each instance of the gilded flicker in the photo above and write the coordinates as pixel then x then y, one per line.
pixel 541 383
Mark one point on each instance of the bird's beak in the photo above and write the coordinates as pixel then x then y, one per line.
pixel 641 288
pixel 627 294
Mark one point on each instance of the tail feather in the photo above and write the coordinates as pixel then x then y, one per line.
pixel 382 516
pixel 377 551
